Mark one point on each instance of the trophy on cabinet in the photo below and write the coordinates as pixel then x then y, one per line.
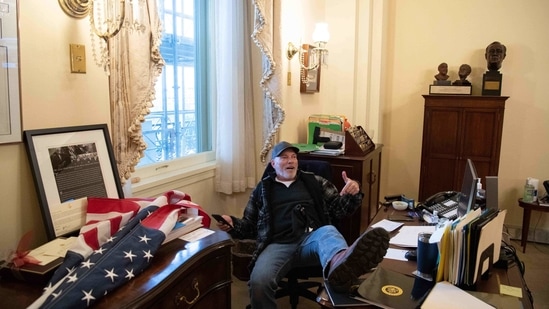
pixel 491 81
pixel 441 79
pixel 442 84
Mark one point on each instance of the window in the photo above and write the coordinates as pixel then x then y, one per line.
pixel 180 122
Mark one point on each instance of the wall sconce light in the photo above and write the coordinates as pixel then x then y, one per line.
pixel 75 8
pixel 311 57
pixel 107 18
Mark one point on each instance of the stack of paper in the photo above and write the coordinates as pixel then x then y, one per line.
pixel 407 235
pixel 329 152
pixel 446 295
pixel 52 250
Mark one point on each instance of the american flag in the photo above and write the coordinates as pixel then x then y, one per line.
pixel 117 243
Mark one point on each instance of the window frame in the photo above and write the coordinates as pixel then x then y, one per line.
pixel 162 172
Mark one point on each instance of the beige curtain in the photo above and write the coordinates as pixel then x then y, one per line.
pixel 267 38
pixel 235 152
pixel 135 65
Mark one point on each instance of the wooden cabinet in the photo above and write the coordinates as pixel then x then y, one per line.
pixel 456 128
pixel 366 169
pixel 181 275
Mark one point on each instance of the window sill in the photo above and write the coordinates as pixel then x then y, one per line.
pixel 178 178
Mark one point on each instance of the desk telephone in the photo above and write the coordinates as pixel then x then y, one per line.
pixel 445 202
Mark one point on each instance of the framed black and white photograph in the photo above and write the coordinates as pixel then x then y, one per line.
pixel 69 165
pixel 10 105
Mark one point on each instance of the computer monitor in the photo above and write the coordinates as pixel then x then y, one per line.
pixel 468 189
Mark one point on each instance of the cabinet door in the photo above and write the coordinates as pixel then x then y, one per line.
pixel 373 178
pixel 441 143
pixel 481 140
pixel 457 128
pixel 350 226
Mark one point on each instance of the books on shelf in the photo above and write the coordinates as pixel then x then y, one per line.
pixel 186 224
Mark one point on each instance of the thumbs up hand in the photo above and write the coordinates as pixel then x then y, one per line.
pixel 351 186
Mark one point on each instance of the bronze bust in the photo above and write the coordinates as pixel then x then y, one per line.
pixel 495 53
pixel 442 72
pixel 464 71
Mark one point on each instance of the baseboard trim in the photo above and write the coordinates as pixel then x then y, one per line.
pixel 534 234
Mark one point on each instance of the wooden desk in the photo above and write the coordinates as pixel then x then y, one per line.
pixel 511 276
pixel 527 212
pixel 181 275
pixel 366 169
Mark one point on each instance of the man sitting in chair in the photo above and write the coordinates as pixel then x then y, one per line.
pixel 290 214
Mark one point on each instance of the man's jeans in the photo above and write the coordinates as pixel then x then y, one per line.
pixel 317 247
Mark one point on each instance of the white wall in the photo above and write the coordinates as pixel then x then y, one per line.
pixel 344 89
pixel 415 38
pixel 50 97
pixel 424 33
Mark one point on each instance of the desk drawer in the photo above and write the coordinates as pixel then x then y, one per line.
pixel 205 286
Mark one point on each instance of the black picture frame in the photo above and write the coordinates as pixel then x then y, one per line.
pixel 10 100
pixel 70 164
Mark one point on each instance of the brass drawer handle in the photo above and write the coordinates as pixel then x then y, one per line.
pixel 180 297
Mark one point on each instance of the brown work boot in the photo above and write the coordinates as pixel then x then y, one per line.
pixel 364 254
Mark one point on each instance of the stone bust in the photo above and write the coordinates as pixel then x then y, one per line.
pixel 495 53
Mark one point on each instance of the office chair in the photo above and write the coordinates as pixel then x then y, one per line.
pixel 293 285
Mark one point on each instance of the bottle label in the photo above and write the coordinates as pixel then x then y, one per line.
pixel 528 196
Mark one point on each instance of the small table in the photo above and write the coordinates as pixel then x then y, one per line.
pixel 528 207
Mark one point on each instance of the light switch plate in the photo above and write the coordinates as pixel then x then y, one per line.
pixel 78 58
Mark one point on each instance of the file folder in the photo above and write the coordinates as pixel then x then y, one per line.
pixel 489 245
